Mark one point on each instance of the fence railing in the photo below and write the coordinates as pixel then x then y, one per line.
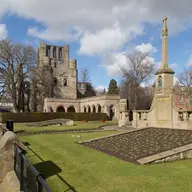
pixel 30 179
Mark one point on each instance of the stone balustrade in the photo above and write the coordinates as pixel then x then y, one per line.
pixel 185 115
pixel 141 115
pixel 146 118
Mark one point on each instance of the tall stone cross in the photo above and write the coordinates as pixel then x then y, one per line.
pixel 164 63
pixel 165 29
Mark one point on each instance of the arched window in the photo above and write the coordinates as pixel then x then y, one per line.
pixel 71 109
pixel 89 109
pixel 55 81
pixel 60 52
pixel 54 52
pixel 48 50
pixel 60 109
pixel 65 82
pixel 93 109
pixel 99 109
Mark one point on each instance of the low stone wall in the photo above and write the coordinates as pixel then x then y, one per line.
pixel 7 161
pixel 178 156
pixel 10 183
pixel 180 153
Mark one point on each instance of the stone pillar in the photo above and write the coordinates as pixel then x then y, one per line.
pixel 123 112
pixel 164 63
pixel 190 117
pixel 51 51
pixel 65 54
pixel 57 52
pixel 185 116
pixel 107 110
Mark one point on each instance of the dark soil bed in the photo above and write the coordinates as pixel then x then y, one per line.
pixel 24 133
pixel 142 143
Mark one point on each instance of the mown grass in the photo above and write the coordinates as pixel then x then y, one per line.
pixel 77 125
pixel 69 166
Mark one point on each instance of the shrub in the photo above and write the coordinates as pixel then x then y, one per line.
pixel 35 117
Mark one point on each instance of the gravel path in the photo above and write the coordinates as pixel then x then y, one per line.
pixel 142 143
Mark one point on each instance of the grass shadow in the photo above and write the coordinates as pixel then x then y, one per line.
pixel 47 168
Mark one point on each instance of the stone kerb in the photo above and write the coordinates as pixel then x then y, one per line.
pixel 113 135
pixel 183 152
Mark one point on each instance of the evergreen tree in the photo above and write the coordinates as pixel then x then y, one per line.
pixel 113 88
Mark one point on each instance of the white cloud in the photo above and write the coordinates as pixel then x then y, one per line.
pixel 3 31
pixel 107 40
pixel 173 65
pixel 146 48
pixel 113 61
pixel 104 24
pixel 101 27
pixel 101 87
pixel 189 62
pixel 175 80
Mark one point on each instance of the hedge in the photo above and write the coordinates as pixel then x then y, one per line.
pixel 36 117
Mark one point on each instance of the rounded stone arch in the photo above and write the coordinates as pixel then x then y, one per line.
pixel 111 112
pixel 50 109
pixel 93 109
pixel 99 108
pixel 60 108
pixel 88 109
pixel 71 109
pixel 84 109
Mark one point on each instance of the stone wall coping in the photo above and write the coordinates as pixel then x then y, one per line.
pixel 102 97
pixel 94 98
pixel 164 154
pixel 62 100
pixel 145 111
pixel 113 135
pixel 79 100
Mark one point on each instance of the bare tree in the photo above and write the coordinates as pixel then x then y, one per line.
pixel 42 84
pixel 184 86
pixel 84 76
pixel 138 70
pixel 15 63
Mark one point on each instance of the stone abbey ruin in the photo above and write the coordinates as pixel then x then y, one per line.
pixel 69 95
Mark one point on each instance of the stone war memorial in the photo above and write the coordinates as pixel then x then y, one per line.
pixel 164 112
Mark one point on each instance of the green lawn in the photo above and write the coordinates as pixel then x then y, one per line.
pixel 77 125
pixel 88 170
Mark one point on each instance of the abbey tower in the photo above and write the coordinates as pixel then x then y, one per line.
pixel 63 69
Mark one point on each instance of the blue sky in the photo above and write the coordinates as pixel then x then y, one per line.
pixel 99 35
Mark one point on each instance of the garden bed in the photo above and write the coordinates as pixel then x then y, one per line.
pixel 23 133
pixel 142 143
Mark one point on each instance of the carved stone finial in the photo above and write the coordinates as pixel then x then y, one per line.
pixel 165 29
